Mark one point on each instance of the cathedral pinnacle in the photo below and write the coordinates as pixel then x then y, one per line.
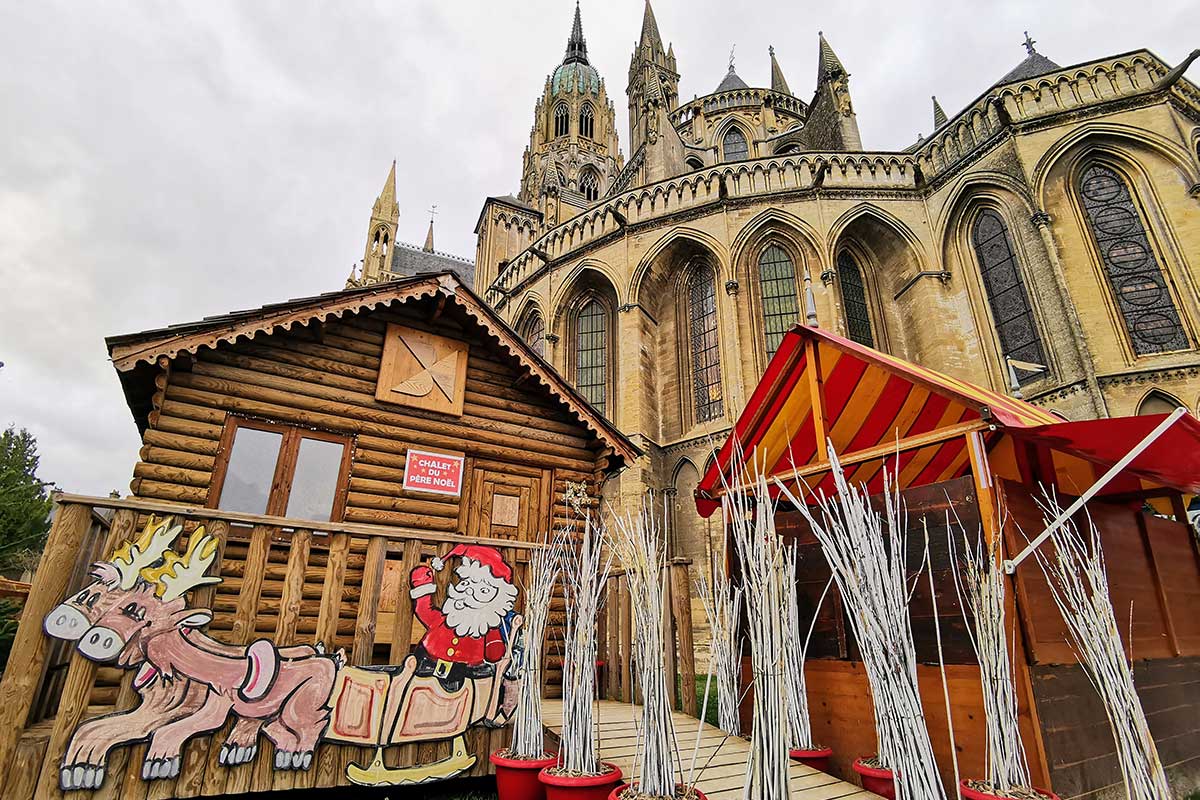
pixel 828 63
pixel 650 36
pixel 428 247
pixel 939 114
pixel 778 82
pixel 576 44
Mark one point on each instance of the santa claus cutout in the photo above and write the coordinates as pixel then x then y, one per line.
pixel 469 633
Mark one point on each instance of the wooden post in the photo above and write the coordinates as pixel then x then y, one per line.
pixel 368 603
pixel 1160 591
pixel 816 387
pixel 403 626
pixel 81 677
pixel 681 607
pixel 612 676
pixel 626 627
pixel 670 655
pixel 28 654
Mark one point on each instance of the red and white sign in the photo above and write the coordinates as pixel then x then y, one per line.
pixel 433 472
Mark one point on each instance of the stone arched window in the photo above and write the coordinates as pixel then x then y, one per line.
pixel 734 146
pixel 1004 286
pixel 703 343
pixel 562 120
pixel 591 353
pixel 854 299
pixel 587 121
pixel 777 284
pixel 534 333
pixel 1137 281
pixel 589 185
pixel 1157 402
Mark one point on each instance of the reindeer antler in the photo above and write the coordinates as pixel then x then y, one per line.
pixel 180 574
pixel 133 557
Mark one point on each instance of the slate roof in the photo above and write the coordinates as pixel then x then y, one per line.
pixel 409 259
pixel 1034 64
pixel 731 82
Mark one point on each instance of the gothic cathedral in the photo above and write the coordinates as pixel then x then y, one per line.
pixel 1043 241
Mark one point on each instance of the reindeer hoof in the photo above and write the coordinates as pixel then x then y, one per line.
pixel 233 755
pixel 81 776
pixel 159 768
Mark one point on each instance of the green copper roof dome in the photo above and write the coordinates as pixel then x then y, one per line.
pixel 575 72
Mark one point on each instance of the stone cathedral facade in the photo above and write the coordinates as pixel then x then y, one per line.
pixel 1045 240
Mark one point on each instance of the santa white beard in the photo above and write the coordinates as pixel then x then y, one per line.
pixel 467 608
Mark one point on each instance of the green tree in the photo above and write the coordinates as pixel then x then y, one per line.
pixel 24 501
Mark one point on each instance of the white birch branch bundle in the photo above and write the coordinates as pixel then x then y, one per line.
pixel 795 642
pixel 1078 581
pixel 528 739
pixel 637 542
pixel 722 603
pixel 749 516
pixel 866 552
pixel 585 571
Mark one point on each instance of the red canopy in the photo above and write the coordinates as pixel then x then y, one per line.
pixel 882 412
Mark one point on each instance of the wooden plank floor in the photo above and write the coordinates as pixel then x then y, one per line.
pixel 725 776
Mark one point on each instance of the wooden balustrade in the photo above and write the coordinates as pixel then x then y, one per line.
pixel 292 581
pixel 616 639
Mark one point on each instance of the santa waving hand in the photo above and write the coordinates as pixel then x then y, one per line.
pixel 467 635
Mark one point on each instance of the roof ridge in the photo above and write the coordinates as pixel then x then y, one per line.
pixel 417 248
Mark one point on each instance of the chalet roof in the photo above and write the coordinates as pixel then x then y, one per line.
pixel 135 355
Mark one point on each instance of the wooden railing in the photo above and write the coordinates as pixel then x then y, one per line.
pixel 291 581
pixel 616 640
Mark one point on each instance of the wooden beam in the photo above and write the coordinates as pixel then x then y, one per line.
pixel 816 387
pixel 358 529
pixel 1160 591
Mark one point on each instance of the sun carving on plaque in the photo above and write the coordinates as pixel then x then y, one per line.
pixel 422 370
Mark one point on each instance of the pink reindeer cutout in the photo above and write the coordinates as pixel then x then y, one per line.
pixel 134 614
pixel 189 684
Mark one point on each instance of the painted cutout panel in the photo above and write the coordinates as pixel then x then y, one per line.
pixel 134 615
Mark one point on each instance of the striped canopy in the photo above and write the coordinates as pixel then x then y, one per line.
pixel 880 411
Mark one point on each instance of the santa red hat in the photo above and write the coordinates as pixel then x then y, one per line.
pixel 487 556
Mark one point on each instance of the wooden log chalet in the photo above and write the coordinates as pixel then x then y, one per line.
pixel 293 433
pixel 959 450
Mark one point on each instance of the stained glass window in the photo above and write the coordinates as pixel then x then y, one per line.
pixel 586 121
pixel 534 334
pixel 591 354
pixel 1134 274
pixel 706 356
pixel 854 299
pixel 590 186
pixel 734 145
pixel 562 120
pixel 1006 293
pixel 777 280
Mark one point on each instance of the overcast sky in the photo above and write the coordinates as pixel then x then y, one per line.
pixel 160 162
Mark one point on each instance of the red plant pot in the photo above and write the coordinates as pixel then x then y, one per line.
pixel 616 792
pixel 817 759
pixel 580 787
pixel 880 781
pixel 974 794
pixel 517 778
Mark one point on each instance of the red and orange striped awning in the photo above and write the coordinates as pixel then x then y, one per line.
pixel 881 412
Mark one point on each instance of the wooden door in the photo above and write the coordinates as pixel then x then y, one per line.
pixel 508 503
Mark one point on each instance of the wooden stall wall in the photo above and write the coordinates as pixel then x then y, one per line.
pixel 839 695
pixel 1154 579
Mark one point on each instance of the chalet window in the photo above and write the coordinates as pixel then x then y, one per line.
pixel 591 353
pixel 562 120
pixel 854 300
pixel 280 470
pixel 586 121
pixel 590 186
pixel 705 348
pixel 1133 271
pixel 777 281
pixel 1005 288
pixel 734 145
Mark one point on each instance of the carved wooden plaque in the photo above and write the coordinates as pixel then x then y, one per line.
pixel 506 510
pixel 422 370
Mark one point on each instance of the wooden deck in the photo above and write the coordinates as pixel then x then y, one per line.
pixel 725 776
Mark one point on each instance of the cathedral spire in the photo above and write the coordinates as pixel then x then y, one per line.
pixel 389 185
pixel 828 64
pixel 650 36
pixel 428 246
pixel 778 82
pixel 576 44
pixel 939 114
